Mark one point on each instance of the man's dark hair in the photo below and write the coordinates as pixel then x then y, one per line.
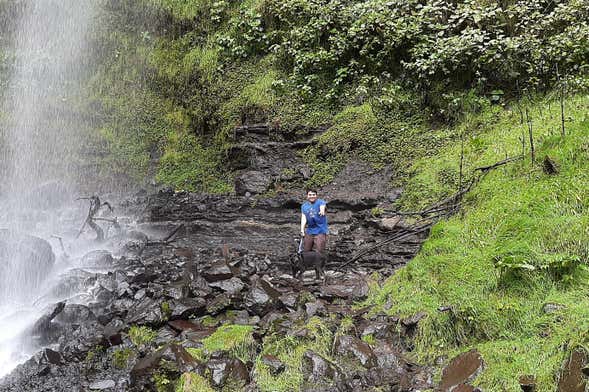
pixel 311 190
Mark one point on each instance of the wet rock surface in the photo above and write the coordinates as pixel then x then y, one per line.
pixel 461 370
pixel 229 265
pixel 572 378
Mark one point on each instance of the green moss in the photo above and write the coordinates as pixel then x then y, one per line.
pixel 192 382
pixel 162 382
pixel 187 165
pixel 518 245
pixel 121 357
pixel 197 353
pixel 141 335
pixel 166 310
pixel 208 321
pixel 236 339
pixel 92 354
pixel 290 351
pixel 369 339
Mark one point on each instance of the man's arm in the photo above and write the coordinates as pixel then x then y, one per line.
pixel 303 223
pixel 322 209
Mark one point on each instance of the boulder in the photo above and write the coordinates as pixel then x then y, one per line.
pixel 97 258
pixel 230 286
pixel 188 307
pixel 316 368
pixel 217 271
pixel 261 297
pixel 571 377
pixel 225 369
pixel 461 370
pixel 356 348
pixel 347 289
pixel 25 261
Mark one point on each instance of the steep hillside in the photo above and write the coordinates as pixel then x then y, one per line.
pixel 175 77
pixel 508 275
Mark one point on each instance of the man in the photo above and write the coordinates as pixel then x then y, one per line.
pixel 314 218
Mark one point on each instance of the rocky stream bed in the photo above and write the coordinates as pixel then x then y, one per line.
pixel 195 270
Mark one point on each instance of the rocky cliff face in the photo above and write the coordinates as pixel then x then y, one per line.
pixel 201 289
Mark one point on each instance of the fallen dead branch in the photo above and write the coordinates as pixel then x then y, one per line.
pixel 95 206
pixel 435 212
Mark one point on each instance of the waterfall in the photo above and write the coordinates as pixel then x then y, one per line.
pixel 41 137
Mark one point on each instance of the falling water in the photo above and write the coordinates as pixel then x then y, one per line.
pixel 40 141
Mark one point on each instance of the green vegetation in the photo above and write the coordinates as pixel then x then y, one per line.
pixel 121 357
pixel 290 351
pixel 175 77
pixel 519 244
pixel 237 339
pixel 141 335
pixel 192 382
pixel 162 382
pixel 93 353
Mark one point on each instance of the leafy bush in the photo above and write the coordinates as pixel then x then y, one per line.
pixel 331 43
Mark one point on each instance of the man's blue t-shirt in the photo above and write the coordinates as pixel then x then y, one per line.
pixel 316 224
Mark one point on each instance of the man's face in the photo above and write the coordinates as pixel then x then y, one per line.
pixel 311 196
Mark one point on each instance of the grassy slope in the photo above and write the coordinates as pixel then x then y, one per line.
pixel 521 242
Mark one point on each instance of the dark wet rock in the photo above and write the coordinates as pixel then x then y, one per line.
pixel 52 357
pixel 527 383
pixel 315 308
pixel 253 182
pixel 411 322
pixel 184 325
pixel 218 304
pixel 196 335
pixel 387 357
pixel 226 369
pixel 262 297
pixel 571 376
pixel 111 333
pixel 131 243
pixel 380 329
pixel 217 271
pixel 289 300
pixel 102 385
pixel 97 258
pixel 550 308
pixel 75 314
pixel 188 307
pixel 231 286
pixel 174 292
pixel 43 325
pixel 356 348
pixel 183 361
pixel 240 283
pixel 172 353
pixel 143 277
pixel 165 335
pixel 461 370
pixel 275 365
pixel 199 287
pixel 349 289
pixel 146 312
pixel 316 368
